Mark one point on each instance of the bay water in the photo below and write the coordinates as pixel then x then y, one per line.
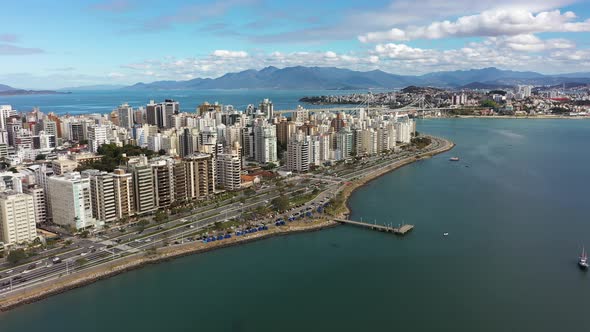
pixel 516 207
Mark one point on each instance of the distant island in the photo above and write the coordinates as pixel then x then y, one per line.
pixel 6 90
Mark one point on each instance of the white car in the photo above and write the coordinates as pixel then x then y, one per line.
pixel 83 254
pixel 148 240
pixel 9 272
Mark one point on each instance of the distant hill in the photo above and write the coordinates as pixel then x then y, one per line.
pixel 331 78
pixel 484 86
pixel 6 90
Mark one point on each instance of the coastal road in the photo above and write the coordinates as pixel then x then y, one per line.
pixel 105 250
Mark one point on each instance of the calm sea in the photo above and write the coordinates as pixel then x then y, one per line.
pixel 516 210
pixel 80 102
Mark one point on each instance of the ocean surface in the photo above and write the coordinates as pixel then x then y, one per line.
pixel 517 211
pixel 80 102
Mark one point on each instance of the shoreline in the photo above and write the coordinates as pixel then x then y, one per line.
pixel 107 270
pixel 359 183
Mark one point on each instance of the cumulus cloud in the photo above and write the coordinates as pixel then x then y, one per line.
pixel 500 22
pixel 397 13
pixel 229 54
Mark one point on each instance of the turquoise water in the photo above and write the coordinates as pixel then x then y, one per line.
pixel 517 217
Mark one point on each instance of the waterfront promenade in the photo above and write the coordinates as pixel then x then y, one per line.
pixel 104 267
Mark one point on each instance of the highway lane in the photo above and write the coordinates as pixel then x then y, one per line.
pixel 42 272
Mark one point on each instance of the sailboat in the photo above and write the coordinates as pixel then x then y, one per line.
pixel 583 261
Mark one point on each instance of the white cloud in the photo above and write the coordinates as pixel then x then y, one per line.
pixel 531 43
pixel 398 13
pixel 229 54
pixel 500 22
pixel 116 75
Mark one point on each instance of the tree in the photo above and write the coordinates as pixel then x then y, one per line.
pixel 489 103
pixel 162 152
pixel 269 166
pixel 280 203
pixel 16 256
pixel 84 234
pixel 13 169
pixel 40 157
pixel 161 216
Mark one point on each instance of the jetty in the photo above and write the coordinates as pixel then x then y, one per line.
pixel 401 230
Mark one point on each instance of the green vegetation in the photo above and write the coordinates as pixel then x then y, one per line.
pixel 269 166
pixel 280 203
pixel 40 157
pixel 161 216
pixel 16 256
pixel 559 110
pixel 336 204
pixel 112 157
pixel 489 103
pixel 421 142
pixel 81 261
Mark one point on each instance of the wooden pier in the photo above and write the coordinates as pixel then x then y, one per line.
pixel 402 230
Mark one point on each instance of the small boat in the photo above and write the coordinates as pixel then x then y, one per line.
pixel 583 260
pixel 454 159
pixel 445 234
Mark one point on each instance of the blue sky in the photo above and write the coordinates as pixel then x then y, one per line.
pixel 58 44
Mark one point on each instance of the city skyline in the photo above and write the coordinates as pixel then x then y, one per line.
pixel 126 41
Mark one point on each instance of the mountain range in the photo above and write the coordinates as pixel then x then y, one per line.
pixel 330 78
pixel 6 90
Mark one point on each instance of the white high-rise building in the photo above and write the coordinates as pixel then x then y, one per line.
pixel 71 204
pixel 265 143
pixel 344 144
pixel 229 169
pixel 125 113
pixel 97 136
pixel 17 218
pixel 298 154
pixel 403 129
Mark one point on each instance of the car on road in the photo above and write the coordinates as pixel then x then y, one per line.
pixel 84 254
pixel 148 240
pixel 56 260
pixel 9 272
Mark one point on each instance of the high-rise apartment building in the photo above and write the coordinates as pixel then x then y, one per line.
pixel 17 218
pixel 124 194
pixel 97 136
pixel 102 195
pixel 229 169
pixel 71 204
pixel 125 113
pixel 39 204
pixel 163 181
pixel 265 143
pixel 143 185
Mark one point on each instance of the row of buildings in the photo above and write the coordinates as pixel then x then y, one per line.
pixel 198 153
